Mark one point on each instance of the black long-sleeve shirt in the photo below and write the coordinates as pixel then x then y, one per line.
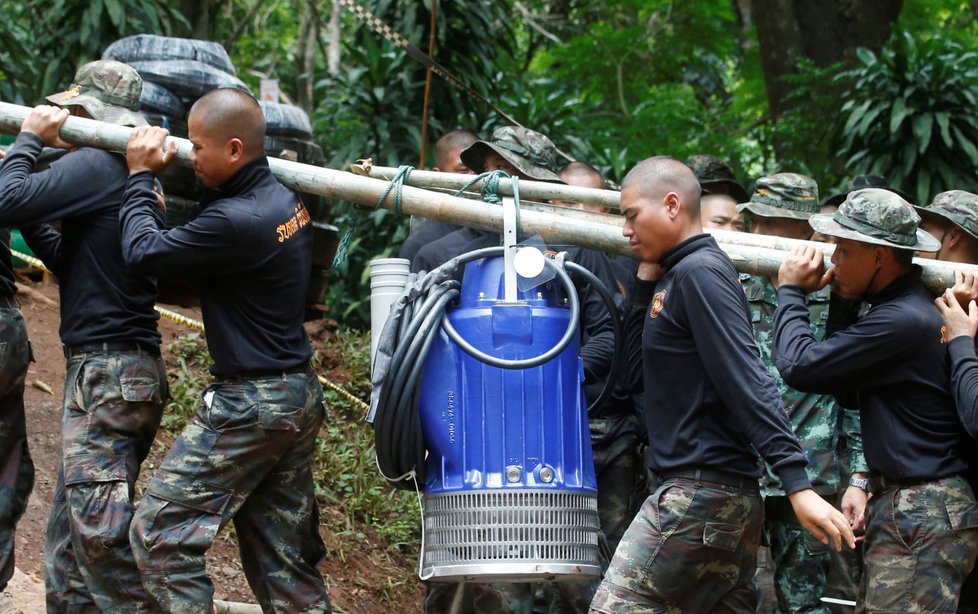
pixel 599 341
pixel 894 359
pixel 964 381
pixel 101 299
pixel 708 396
pixel 250 250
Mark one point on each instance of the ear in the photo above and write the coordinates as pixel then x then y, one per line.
pixel 235 149
pixel 882 255
pixel 954 236
pixel 673 205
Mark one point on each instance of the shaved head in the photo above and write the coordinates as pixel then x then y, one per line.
pixel 448 149
pixel 581 174
pixel 656 177
pixel 229 113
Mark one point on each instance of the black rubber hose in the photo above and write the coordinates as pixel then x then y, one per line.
pixel 616 358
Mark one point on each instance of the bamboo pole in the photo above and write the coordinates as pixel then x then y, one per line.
pixel 532 190
pixel 755 254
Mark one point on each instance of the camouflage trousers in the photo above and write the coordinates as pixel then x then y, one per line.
pixel 799 561
pixel 691 548
pixel 245 455
pixel 921 542
pixel 113 403
pixel 16 467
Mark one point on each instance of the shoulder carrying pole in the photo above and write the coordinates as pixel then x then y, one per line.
pixel 755 254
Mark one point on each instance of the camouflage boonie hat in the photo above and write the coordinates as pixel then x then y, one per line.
pixel 532 153
pixel 785 195
pixel 958 206
pixel 877 216
pixel 108 90
pixel 860 182
pixel 710 170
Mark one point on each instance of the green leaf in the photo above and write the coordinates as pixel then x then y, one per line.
pixel 943 118
pixel 898 113
pixel 117 13
pixel 922 130
pixel 865 56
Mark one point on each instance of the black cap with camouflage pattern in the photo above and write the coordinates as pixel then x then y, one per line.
pixel 533 154
pixel 877 216
pixel 958 206
pixel 784 195
pixel 711 170
pixel 108 90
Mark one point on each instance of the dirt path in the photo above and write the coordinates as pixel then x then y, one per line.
pixel 345 578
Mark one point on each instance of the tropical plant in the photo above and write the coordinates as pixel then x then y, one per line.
pixel 910 116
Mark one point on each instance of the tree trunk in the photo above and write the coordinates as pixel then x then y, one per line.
pixel 306 54
pixel 333 32
pixel 826 32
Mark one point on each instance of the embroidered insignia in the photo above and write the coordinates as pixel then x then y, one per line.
pixel 658 303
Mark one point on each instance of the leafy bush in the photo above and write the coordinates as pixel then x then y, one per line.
pixel 910 116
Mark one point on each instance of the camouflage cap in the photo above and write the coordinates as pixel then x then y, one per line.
pixel 860 182
pixel 532 153
pixel 877 216
pixel 785 195
pixel 958 206
pixel 108 90
pixel 712 171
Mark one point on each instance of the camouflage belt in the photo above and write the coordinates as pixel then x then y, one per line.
pixel 881 483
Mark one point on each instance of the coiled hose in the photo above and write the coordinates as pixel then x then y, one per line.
pixel 398 434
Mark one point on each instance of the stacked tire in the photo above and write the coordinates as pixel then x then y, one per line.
pixel 178 71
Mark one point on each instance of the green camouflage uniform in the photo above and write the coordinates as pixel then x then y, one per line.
pixel 245 455
pixel 16 467
pixel 113 404
pixel 799 561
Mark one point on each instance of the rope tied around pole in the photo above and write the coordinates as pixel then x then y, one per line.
pixel 396 186
pixel 490 190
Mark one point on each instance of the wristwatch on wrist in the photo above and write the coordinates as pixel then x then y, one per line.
pixel 862 483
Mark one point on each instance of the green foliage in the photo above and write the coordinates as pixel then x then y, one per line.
pixel 186 384
pixel 33 30
pixel 347 477
pixel 910 115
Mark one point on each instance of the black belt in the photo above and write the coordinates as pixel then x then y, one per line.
pixel 108 346
pixel 714 476
pixel 243 376
pixel 9 302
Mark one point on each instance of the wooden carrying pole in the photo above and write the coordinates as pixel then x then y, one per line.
pixel 755 254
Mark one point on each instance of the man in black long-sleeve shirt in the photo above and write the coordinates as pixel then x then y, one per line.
pixel 709 399
pixel 115 386
pixel 922 521
pixel 246 453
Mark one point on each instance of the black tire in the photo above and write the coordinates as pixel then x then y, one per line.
pixel 186 78
pixel 180 181
pixel 156 98
pixel 150 47
pixel 176 125
pixel 297 150
pixel 285 120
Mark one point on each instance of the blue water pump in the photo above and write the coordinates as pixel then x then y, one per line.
pixel 510 490
pixel 483 404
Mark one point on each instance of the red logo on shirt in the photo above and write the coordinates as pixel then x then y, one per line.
pixel 658 303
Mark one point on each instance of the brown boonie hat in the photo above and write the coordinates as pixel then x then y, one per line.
pixel 710 171
pixel 532 153
pixel 785 195
pixel 958 206
pixel 877 216
pixel 860 182
pixel 108 90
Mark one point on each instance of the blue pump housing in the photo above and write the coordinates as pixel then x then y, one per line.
pixel 509 450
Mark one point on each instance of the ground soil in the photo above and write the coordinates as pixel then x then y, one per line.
pixel 357 583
